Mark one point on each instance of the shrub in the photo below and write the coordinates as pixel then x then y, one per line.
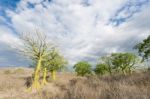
pixel 19 70
pixel 135 86
pixel 101 69
pixel 8 72
pixel 82 68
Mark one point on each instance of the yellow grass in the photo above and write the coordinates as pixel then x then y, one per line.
pixel 13 85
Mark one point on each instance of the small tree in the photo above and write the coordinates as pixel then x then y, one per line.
pixel 101 69
pixel 108 63
pixel 53 63
pixel 82 68
pixel 123 62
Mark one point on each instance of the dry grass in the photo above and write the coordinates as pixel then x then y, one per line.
pixel 68 86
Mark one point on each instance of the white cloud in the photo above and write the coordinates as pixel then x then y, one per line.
pixel 8 48
pixel 80 29
pixel 6 35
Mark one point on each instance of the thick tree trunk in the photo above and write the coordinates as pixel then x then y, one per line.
pixel 44 76
pixel 53 73
pixel 36 84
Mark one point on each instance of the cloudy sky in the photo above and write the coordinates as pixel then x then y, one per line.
pixel 82 29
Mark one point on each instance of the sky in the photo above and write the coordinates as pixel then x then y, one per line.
pixel 81 29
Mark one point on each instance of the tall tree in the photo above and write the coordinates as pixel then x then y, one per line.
pixel 144 48
pixel 36 47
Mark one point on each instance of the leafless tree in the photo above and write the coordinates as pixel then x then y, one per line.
pixel 36 47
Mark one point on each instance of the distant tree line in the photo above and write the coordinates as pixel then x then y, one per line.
pixel 124 63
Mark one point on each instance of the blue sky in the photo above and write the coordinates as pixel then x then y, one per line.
pixel 82 29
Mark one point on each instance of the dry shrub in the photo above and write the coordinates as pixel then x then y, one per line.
pixel 19 71
pixel 15 71
pixel 135 86
pixel 7 72
pixel 68 86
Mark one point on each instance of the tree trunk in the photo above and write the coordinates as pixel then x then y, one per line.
pixel 109 69
pixel 53 73
pixel 130 70
pixel 36 84
pixel 44 76
pixel 124 72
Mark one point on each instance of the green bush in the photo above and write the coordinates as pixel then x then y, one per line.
pixel 101 69
pixel 82 68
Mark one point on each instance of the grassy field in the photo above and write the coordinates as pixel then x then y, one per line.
pixel 13 85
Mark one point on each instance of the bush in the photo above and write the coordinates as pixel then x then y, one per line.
pixel 8 72
pixel 19 70
pixel 101 69
pixel 83 68
pixel 135 86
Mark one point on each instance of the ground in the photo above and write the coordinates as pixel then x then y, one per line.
pixel 13 85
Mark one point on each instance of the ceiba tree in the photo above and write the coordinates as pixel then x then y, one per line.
pixel 37 48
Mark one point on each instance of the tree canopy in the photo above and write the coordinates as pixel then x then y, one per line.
pixel 54 62
pixel 82 68
pixel 101 69
pixel 117 62
pixel 144 48
pixel 123 61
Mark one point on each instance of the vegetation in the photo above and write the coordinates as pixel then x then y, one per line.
pixel 37 48
pixel 124 62
pixel 108 63
pixel 53 63
pixel 135 86
pixel 101 69
pixel 117 62
pixel 46 58
pixel 82 68
pixel 68 86
pixel 7 72
pixel 144 48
